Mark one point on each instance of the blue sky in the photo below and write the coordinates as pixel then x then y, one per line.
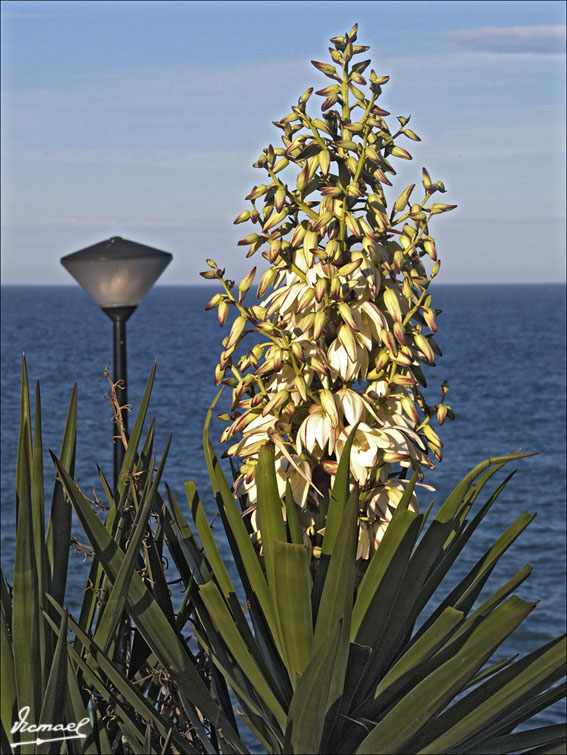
pixel 142 119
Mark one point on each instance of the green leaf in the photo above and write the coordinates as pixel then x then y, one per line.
pixel 381 624
pixel 306 717
pixel 337 596
pixel 114 608
pixel 102 666
pixel 457 498
pixel 225 584
pixel 25 610
pixel 156 576
pixel 59 527
pixel 8 697
pixel 532 706
pixel 332 519
pixel 482 712
pixel 291 515
pixel 413 594
pixel 339 497
pixel 136 434
pixel 225 625
pixel 181 542
pixel 474 581
pixel 270 517
pixel 264 724
pixel 292 589
pixel 245 557
pixel 55 704
pixel 460 535
pixel 38 513
pixel 24 439
pixel 146 614
pixel 536 738
pixel 77 709
pixel 414 712
pixel 207 540
pixel 380 583
pixel 497 597
pixel 408 666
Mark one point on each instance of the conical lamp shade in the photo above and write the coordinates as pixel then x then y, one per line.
pixel 117 272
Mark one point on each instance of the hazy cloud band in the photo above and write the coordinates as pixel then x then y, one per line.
pixel 538 40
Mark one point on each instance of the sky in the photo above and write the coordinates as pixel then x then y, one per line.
pixel 143 119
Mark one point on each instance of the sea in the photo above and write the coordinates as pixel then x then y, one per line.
pixel 503 357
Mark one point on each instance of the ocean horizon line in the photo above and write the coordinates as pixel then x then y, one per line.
pixel 439 284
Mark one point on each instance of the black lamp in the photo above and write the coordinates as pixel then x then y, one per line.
pixel 117 273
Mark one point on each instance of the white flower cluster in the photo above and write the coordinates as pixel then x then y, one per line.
pixel 346 323
pixel 319 405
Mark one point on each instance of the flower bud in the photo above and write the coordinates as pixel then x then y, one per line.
pixel 400 152
pixel 319 323
pixel 402 200
pixel 236 331
pixel 214 302
pixel 392 304
pixel 301 387
pixel 222 312
pixel 266 281
pixel 246 282
pixel 320 289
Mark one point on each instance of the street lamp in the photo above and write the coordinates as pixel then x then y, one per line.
pixel 117 273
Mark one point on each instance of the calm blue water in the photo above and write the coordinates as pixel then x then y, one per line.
pixel 504 358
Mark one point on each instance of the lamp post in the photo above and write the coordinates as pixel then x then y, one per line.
pixel 117 273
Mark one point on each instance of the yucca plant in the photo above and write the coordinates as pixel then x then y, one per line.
pixel 334 664
pixel 339 664
pixel 331 431
pixel 344 316
pixel 127 673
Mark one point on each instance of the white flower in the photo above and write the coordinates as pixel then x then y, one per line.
pixel 364 450
pixel 316 432
pixel 341 364
pixel 256 432
pixel 386 496
pixel 286 472
pixel 352 405
pixel 282 379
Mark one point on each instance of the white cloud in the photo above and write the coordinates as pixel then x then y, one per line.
pixel 535 40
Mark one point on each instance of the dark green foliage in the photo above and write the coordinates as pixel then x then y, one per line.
pixel 322 658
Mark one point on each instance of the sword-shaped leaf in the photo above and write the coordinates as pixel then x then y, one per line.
pixel 225 625
pixel 56 705
pixel 59 527
pixel 292 589
pixel 423 702
pixel 482 713
pixel 103 666
pixel 105 633
pixel 8 696
pixel 136 434
pixel 270 517
pixel 146 614
pixel 535 740
pixel 245 556
pixel 337 599
pixel 26 608
pixel 309 705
